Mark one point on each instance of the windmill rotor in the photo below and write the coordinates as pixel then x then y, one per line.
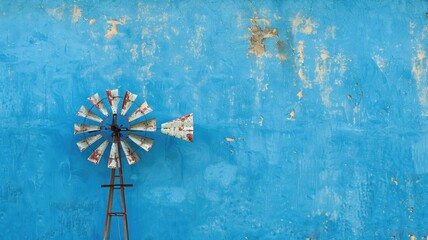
pixel 118 130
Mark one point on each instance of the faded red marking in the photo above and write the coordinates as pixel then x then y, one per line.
pixel 190 137
pixel 110 97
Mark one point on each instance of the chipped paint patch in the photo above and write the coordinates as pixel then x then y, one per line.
pixel 134 51
pixel 258 36
pixel 56 12
pixel 230 139
pixel 419 71
pixel 330 32
pixel 195 44
pixel 92 21
pixel 303 25
pixel 300 94
pixel 113 28
pixel 77 14
pixel 261 121
pixel 322 68
pixel 292 115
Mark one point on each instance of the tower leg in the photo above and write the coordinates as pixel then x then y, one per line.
pixel 125 215
pixel 109 206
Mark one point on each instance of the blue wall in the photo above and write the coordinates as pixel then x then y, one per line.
pixel 311 118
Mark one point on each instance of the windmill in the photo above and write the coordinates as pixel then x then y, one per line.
pixel 115 129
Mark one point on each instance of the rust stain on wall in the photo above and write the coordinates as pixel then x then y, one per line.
pixel 258 36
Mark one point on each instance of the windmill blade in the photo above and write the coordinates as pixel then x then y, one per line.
pixel 86 113
pixel 148 126
pixel 181 128
pixel 81 128
pixel 98 103
pixel 98 153
pixel 85 143
pixel 127 102
pixel 144 142
pixel 113 160
pixel 142 110
pixel 113 99
pixel 130 154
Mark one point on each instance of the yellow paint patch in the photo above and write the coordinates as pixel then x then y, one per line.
pixel 77 14
pixel 113 28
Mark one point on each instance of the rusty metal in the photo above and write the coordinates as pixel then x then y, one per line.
pixel 113 160
pixel 113 99
pixel 98 153
pixel 86 113
pixel 117 159
pixel 130 154
pixel 98 103
pixel 142 110
pixel 181 128
pixel 82 128
pixel 128 100
pixel 148 126
pixel 144 142
pixel 85 143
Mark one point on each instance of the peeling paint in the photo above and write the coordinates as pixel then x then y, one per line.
pixel 56 12
pixel 134 51
pixel 230 139
pixel 300 94
pixel 303 25
pixel 261 121
pixel 77 14
pixel 419 71
pixel 92 21
pixel 113 28
pixel 258 36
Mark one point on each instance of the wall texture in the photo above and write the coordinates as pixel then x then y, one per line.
pixel 311 118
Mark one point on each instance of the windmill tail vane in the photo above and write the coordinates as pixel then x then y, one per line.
pixel 134 130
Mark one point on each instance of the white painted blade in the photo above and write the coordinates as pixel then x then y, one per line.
pixel 130 154
pixel 127 102
pixel 181 128
pixel 81 128
pixel 142 110
pixel 144 142
pixel 113 160
pixel 98 103
pixel 86 113
pixel 113 99
pixel 98 153
pixel 85 143
pixel 148 126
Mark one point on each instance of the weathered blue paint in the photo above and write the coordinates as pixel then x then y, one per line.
pixel 323 136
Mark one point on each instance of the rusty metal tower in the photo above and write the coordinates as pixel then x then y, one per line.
pixel 115 129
